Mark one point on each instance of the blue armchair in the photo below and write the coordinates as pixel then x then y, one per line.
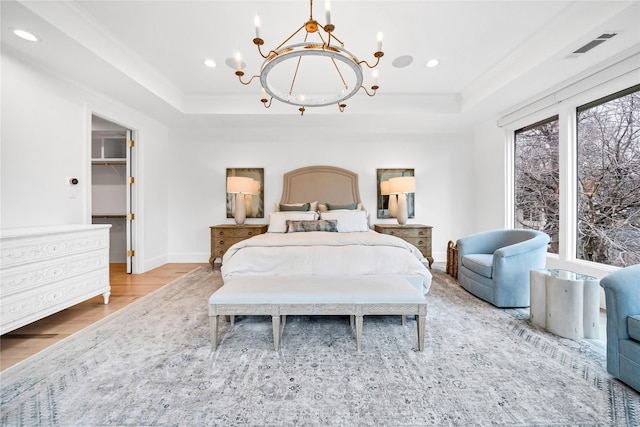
pixel 622 293
pixel 495 265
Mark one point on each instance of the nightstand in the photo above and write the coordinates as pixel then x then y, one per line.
pixel 417 234
pixel 225 235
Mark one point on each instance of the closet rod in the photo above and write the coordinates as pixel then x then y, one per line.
pixel 108 163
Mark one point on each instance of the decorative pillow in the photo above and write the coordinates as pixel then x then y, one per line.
pixel 297 207
pixel 348 221
pixel 278 220
pixel 323 207
pixel 304 226
pixel 313 206
pixel 350 206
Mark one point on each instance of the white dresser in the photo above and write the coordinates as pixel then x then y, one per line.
pixel 46 269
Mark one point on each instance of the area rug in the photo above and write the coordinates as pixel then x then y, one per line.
pixel 150 364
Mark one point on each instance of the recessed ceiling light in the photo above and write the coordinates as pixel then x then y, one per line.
pixel 432 63
pixel 25 35
pixel 210 63
pixel 402 61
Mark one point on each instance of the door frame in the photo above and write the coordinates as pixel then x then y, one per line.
pixel 132 226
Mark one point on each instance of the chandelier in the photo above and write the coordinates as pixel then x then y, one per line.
pixel 310 73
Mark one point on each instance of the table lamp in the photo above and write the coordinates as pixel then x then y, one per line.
pixel 402 185
pixel 239 186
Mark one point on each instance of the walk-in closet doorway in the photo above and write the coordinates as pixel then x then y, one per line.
pixel 112 147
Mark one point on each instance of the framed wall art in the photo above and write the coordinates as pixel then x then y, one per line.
pixel 254 201
pixel 385 205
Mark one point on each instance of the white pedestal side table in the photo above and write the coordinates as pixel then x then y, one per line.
pixel 565 303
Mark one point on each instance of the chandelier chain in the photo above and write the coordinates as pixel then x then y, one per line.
pixel 344 83
pixel 295 74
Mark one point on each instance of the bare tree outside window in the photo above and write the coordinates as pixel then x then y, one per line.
pixel 609 179
pixel 537 185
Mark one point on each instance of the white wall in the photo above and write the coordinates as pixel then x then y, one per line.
pixel 46 134
pixel 490 177
pixel 199 158
pixel 43 142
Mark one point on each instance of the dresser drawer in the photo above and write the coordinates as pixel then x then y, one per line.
pixel 41 274
pixel 34 248
pixel 35 303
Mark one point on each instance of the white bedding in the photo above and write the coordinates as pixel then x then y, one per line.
pixel 324 253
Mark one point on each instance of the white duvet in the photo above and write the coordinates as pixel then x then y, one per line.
pixel 325 253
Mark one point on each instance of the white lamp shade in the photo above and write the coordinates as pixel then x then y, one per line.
pixel 239 184
pixel 384 188
pixel 256 188
pixel 402 184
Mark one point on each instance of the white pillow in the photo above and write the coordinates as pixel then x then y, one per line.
pixel 348 220
pixel 278 220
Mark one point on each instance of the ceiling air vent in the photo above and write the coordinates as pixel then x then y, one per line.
pixel 593 43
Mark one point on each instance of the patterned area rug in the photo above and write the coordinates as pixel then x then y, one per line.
pixel 150 364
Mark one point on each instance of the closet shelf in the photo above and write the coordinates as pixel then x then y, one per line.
pixel 109 162
pixel 107 216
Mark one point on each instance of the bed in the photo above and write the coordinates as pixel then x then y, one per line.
pixel 332 238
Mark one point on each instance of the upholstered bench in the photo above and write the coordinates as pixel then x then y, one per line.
pixel 279 296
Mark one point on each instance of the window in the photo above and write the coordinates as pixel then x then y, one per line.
pixel 608 187
pixel 536 182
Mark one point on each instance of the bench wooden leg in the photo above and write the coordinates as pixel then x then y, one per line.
pixel 421 322
pixel 283 320
pixel 275 320
pixel 213 321
pixel 358 331
pixel 352 320
pixel 232 319
pixel 403 319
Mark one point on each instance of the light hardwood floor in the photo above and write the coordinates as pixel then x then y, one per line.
pixel 21 343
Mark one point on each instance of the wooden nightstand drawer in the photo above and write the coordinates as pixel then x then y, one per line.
pixel 417 234
pixel 224 236
pixel 408 233
pixel 241 232
pixel 421 243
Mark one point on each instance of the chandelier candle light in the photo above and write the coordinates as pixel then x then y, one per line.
pixel 283 74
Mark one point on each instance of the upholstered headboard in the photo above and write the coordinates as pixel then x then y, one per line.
pixel 325 184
